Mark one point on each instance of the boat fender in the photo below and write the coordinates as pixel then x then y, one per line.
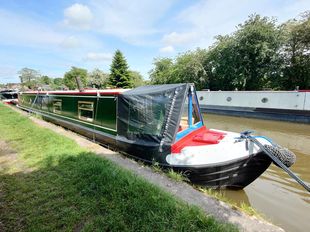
pixel 287 157
pixel 273 153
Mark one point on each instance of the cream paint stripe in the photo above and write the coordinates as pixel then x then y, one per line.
pixel 57 115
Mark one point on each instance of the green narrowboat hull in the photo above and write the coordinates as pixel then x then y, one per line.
pixel 103 111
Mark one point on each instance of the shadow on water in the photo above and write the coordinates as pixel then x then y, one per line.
pixel 275 194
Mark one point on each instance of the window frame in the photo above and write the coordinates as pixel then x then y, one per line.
pixel 55 101
pixel 191 127
pixel 86 109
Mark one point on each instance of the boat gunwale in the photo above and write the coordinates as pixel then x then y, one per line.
pixel 74 92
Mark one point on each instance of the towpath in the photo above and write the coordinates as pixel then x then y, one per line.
pixel 182 190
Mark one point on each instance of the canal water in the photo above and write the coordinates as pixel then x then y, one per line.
pixel 275 194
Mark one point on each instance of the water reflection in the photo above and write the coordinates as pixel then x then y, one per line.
pixel 275 194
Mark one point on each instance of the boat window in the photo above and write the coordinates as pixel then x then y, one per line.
pixel 86 110
pixel 195 110
pixel 45 103
pixel 57 106
pixel 146 116
pixel 190 108
pixel 184 118
pixel 42 102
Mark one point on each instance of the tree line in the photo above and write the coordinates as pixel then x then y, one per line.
pixel 259 55
pixel 120 76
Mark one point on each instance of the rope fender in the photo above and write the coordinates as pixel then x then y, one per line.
pixel 287 157
pixel 276 153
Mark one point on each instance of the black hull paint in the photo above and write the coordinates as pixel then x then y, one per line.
pixel 93 134
pixel 236 174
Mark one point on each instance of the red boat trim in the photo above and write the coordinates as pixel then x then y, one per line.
pixel 199 137
pixel 92 93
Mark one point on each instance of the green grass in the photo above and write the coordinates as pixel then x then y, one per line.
pixel 177 176
pixel 156 167
pixel 62 187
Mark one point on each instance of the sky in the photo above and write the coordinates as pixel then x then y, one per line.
pixel 51 36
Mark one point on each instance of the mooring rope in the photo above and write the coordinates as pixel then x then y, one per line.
pixel 247 135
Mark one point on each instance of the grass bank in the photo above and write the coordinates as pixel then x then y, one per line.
pixel 55 185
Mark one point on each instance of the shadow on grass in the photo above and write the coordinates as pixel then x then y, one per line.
pixel 88 193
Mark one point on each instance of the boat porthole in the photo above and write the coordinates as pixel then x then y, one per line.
pixel 264 100
pixel 228 99
pixel 201 98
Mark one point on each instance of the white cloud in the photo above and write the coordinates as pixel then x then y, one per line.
pixel 167 49
pixel 207 19
pixel 97 56
pixel 78 16
pixel 24 31
pixel 175 38
pixel 131 20
pixel 70 42
pixel 8 74
pixel 20 30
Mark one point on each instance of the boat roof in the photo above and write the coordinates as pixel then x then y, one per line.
pixel 154 89
pixel 77 92
pixel 9 91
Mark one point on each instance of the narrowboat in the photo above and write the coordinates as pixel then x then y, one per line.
pixel 160 123
pixel 9 96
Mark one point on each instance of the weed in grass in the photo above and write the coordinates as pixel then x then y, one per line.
pixel 214 193
pixel 156 167
pixel 71 189
pixel 177 176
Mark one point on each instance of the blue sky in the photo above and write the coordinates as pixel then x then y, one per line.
pixel 51 36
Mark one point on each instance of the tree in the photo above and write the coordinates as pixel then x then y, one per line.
pixel 137 79
pixel 58 83
pixel 98 79
pixel 220 64
pixel 258 55
pixel 119 76
pixel 29 77
pixel 69 78
pixel 296 55
pixel 162 72
pixel 249 59
pixel 46 80
pixel 189 67
pixel 258 43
